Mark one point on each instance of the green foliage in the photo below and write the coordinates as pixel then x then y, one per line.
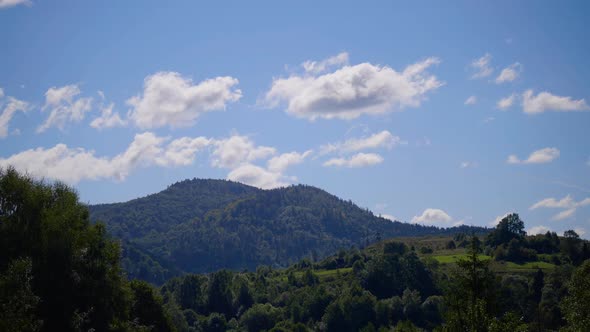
pixel 260 317
pixel 510 227
pixel 576 305
pixel 147 307
pixel 58 272
pixel 17 301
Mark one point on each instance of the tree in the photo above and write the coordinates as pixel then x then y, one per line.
pixel 260 317
pixel 470 295
pixel 219 295
pixel 510 227
pixel 576 305
pixel 74 266
pixel 147 307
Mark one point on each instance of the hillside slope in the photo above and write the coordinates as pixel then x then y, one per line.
pixel 206 225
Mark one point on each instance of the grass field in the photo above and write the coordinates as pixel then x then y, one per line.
pixel 448 259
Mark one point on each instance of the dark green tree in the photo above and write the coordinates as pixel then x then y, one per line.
pixel 576 305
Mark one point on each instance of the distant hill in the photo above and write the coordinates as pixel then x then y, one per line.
pixel 206 225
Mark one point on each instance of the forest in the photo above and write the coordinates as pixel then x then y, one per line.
pixel 199 226
pixel 61 272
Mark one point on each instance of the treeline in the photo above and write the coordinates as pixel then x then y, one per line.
pixel 384 288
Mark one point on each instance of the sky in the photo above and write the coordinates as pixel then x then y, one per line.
pixel 419 111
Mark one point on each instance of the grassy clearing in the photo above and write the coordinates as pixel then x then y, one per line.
pixel 449 259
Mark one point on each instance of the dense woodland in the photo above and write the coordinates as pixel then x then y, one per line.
pixel 206 225
pixel 60 272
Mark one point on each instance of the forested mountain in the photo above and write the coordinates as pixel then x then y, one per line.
pixel 206 225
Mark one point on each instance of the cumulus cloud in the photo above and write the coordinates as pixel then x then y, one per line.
pixel 73 165
pixel 472 100
pixel 356 161
pixel 283 161
pixel 108 119
pixel 12 107
pixel 506 102
pixel 317 67
pixel 169 99
pixel 388 216
pixel 567 204
pixel 257 176
pixel 13 3
pixel 433 217
pixel 538 230
pixel 237 150
pixel 545 101
pixel 541 156
pixel 351 91
pixel 64 107
pixel 383 139
pixel 509 73
pixel 481 67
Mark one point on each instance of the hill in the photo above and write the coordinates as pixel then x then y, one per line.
pixel 206 225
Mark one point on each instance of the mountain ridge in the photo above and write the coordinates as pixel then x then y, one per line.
pixel 203 225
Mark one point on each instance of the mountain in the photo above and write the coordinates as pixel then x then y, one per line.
pixel 206 225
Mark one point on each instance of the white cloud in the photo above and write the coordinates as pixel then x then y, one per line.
pixel 317 67
pixel 169 99
pixel 481 67
pixel 64 107
pixel 568 204
pixel 257 176
pixel 13 3
pixel 1 93
pixel 73 165
pixel 13 106
pixel 472 100
pixel 468 164
pixel 505 103
pixel 545 101
pixel 182 151
pixel 108 119
pixel 382 139
pixel 541 156
pixel 388 216
pixel 433 217
pixel 580 231
pixel 356 161
pixel 237 150
pixel 538 230
pixel 489 119
pixel 509 73
pixel 352 91
pixel 283 161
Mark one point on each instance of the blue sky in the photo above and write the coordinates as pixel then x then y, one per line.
pixel 416 110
